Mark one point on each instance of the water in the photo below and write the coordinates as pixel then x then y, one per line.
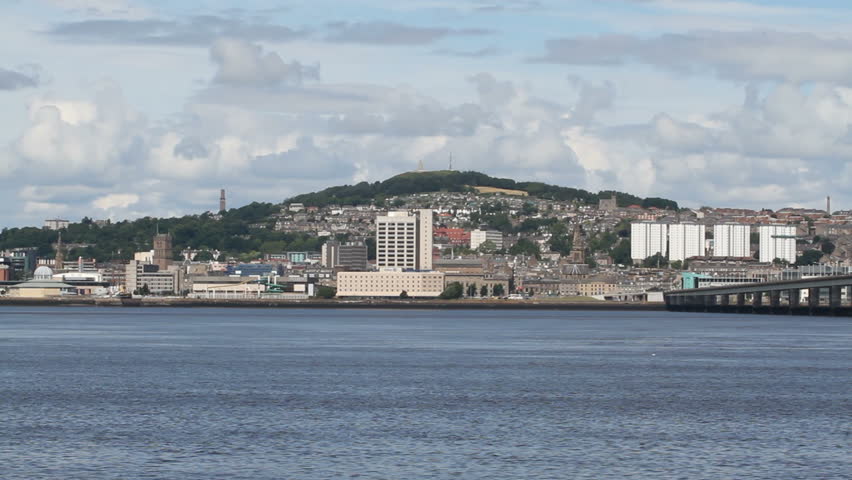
pixel 316 394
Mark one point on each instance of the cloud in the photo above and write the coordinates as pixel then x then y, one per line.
pixel 749 56
pixel 244 63
pixel 115 201
pixel 79 136
pixel 480 53
pixel 390 33
pixel 26 76
pixel 111 8
pixel 200 30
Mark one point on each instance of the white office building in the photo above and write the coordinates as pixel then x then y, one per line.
pixel 686 240
pixel 404 258
pixel 732 240
pixel 404 240
pixel 648 239
pixel 777 241
pixel 478 237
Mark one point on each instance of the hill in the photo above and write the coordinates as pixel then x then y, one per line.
pixel 454 181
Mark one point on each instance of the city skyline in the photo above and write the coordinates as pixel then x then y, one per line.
pixel 121 109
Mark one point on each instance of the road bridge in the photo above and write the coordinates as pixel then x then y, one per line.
pixel 808 296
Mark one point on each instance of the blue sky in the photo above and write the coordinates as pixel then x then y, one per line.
pixel 125 108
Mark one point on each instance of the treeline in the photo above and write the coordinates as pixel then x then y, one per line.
pixel 235 234
pixel 452 181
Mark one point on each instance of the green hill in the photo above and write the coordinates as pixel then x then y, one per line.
pixel 454 181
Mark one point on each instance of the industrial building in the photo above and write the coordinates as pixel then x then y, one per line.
pixel 777 241
pixel 686 240
pixel 732 240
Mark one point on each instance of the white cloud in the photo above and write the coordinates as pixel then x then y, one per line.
pixel 115 200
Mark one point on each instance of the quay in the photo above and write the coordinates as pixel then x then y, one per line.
pixel 809 296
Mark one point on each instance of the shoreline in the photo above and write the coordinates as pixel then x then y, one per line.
pixel 331 304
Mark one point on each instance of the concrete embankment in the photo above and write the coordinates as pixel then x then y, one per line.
pixel 339 304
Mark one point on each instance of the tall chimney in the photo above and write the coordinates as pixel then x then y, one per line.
pixel 828 205
pixel 222 200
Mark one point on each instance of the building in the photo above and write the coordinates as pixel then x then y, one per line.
pixel 349 256
pixel 648 239
pixel 578 247
pixel 608 204
pixel 162 250
pixel 56 224
pixel 777 241
pixel 404 240
pixel 478 237
pixel 164 282
pixel 41 286
pixel 732 240
pixel 686 240
pixel 454 236
pixel 389 284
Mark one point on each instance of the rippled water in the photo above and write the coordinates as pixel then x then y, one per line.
pixel 315 394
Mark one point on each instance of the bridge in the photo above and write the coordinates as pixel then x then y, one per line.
pixel 809 296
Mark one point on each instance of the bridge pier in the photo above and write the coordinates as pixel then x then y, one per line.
pixel 757 299
pixel 725 300
pixel 813 298
pixel 834 297
pixel 793 297
pixel 775 300
pixel 740 301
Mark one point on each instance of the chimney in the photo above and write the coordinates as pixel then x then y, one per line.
pixel 222 200
pixel 828 205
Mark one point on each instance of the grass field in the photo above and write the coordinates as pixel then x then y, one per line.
pixel 505 191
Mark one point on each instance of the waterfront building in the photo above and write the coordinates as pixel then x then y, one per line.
pixel 732 240
pixel 686 240
pixel 777 241
pixel 389 284
pixel 478 237
pixel 404 240
pixel 139 274
pixel 648 239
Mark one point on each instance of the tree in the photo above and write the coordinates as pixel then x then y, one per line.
pixel 827 247
pixel 809 257
pixel 483 292
pixel 499 291
pixel 655 260
pixel 677 265
pixel 326 292
pixel 403 294
pixel 486 247
pixel 452 291
pixel 621 253
pixel 525 246
pixel 471 290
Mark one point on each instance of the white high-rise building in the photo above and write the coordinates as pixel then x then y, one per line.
pixel 478 237
pixel 777 241
pixel 404 241
pixel 732 240
pixel 686 240
pixel 648 239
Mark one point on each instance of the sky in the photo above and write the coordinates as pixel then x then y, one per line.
pixel 127 108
